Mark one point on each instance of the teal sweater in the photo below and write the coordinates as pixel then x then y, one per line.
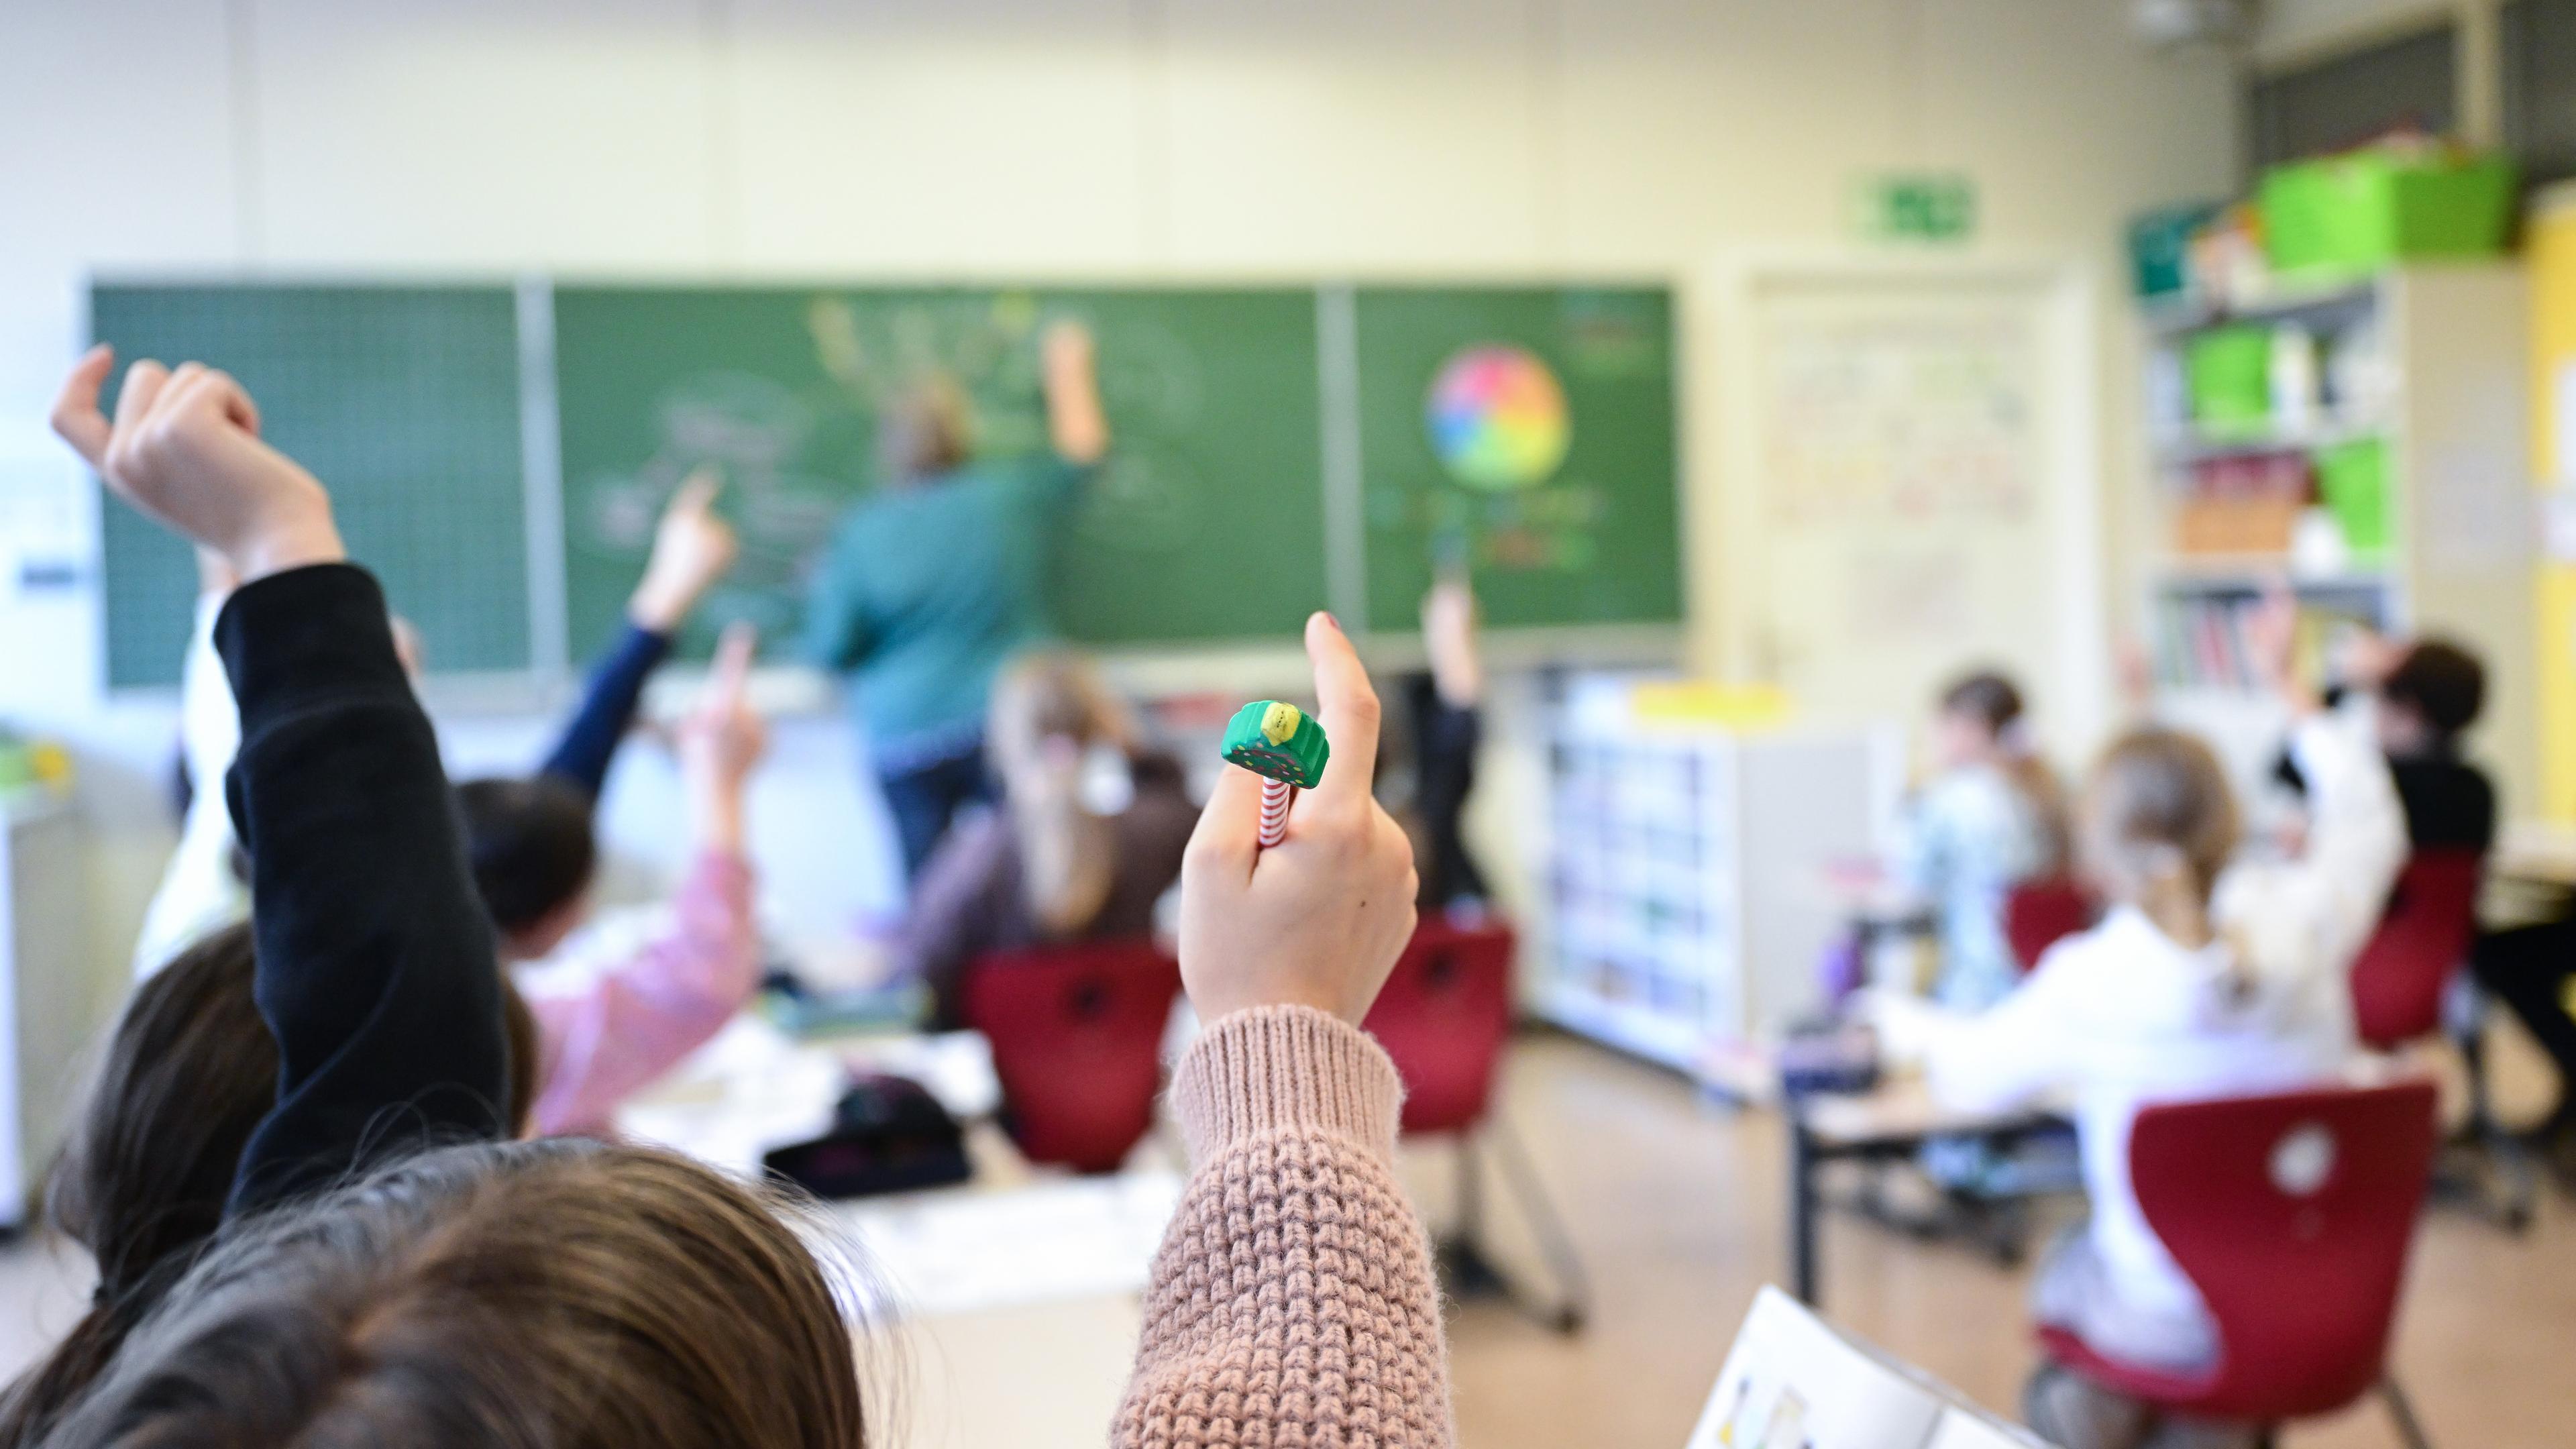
pixel 927 589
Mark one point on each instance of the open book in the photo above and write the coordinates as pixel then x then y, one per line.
pixel 1793 1381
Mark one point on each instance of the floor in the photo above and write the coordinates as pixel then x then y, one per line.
pixel 1677 1207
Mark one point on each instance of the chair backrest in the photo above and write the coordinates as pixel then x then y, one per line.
pixel 2402 971
pixel 2041 912
pixel 2292 1215
pixel 1077 1034
pixel 1443 1017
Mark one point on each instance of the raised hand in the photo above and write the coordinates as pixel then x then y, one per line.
pixel 184 449
pixel 1319 919
pixel 692 548
pixel 723 738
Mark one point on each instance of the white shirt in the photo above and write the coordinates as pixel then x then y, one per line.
pixel 198 891
pixel 2122 1016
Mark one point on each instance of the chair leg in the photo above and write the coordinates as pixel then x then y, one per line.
pixel 2402 1411
pixel 1574 1293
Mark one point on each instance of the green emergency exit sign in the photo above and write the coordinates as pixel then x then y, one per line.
pixel 1939 206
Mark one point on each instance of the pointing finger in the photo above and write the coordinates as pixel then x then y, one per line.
pixel 1349 711
pixel 732 672
pixel 697 491
pixel 76 418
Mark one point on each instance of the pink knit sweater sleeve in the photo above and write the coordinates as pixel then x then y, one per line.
pixel 605 1039
pixel 1292 1301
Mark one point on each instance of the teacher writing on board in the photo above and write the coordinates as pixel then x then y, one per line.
pixel 935 580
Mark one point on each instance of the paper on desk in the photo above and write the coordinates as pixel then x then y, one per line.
pixel 1793 1381
pixel 960 1251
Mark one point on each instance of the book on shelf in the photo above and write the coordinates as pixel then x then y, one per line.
pixel 1794 1381
pixel 2204 639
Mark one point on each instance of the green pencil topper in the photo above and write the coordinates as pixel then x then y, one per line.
pixel 1286 748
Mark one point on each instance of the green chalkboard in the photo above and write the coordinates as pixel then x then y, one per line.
pixel 1528 435
pixel 404 400
pixel 1206 524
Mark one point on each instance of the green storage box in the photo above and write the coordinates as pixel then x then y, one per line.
pixel 2361 212
pixel 2160 249
pixel 2352 478
pixel 2231 377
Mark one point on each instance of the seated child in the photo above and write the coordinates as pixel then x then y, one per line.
pixel 1047 865
pixel 2205 979
pixel 1991 817
pixel 608 1026
pixel 2425 695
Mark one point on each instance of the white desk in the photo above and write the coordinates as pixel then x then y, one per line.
pixel 1005 1310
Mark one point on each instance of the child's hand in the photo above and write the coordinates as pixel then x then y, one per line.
pixel 185 449
pixel 1319 919
pixel 692 548
pixel 1066 352
pixel 723 739
pixel 1449 638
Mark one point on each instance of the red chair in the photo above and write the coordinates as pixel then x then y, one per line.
pixel 1077 1034
pixel 1444 1016
pixel 2040 913
pixel 2292 1215
pixel 2405 969
pixel 2408 986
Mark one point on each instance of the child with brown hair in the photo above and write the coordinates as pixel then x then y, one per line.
pixel 2208 977
pixel 586 1294
pixel 1047 865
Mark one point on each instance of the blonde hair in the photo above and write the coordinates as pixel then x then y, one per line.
pixel 925 430
pixel 1068 856
pixel 2160 824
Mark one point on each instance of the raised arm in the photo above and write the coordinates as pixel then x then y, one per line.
pixel 692 549
pixel 1076 426
pixel 621 1028
pixel 1292 1300
pixel 376 970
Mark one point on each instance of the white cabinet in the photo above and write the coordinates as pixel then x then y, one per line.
pixel 48 1013
pixel 1686 869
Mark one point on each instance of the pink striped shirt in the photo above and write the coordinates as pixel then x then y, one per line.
pixel 608 1036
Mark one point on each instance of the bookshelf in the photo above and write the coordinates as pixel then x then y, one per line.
pixel 2363 441
pixel 1687 864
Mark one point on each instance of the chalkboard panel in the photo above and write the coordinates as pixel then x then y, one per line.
pixel 404 400
pixel 1205 525
pixel 1526 434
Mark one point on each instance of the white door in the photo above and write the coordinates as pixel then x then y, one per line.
pixel 1911 474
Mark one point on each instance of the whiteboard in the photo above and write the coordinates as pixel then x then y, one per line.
pixel 1909 463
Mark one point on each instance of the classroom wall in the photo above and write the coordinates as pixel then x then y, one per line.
pixel 1207 138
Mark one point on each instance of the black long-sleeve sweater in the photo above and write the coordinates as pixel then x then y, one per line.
pixel 377 973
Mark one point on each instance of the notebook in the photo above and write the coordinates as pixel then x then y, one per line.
pixel 1794 1381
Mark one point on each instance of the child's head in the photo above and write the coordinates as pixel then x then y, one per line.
pixel 1049 708
pixel 2159 825
pixel 2433 694
pixel 560 1292
pixel 533 854
pixel 1978 715
pixel 187 1074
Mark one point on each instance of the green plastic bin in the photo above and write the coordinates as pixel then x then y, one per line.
pixel 2352 479
pixel 2364 211
pixel 2231 377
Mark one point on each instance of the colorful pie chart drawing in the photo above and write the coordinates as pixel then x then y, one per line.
pixel 1497 418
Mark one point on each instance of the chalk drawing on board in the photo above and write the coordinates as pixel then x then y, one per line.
pixel 1145 500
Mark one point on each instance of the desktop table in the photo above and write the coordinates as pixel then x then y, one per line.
pixel 1891 1122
